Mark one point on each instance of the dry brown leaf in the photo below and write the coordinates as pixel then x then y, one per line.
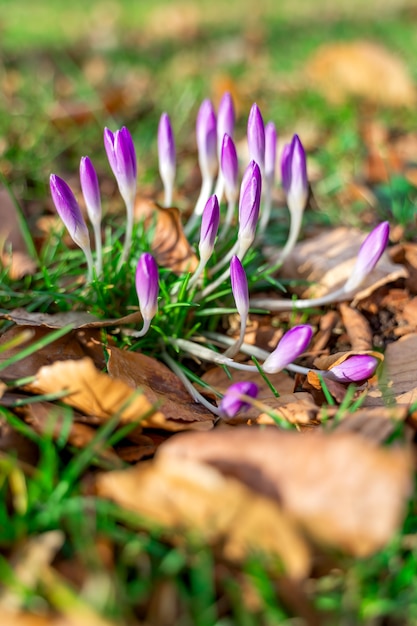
pixel 78 319
pixel 73 345
pixel 180 494
pixel 344 70
pixel 161 386
pixel 296 408
pixel 373 423
pixel 94 392
pixel 327 260
pixel 357 327
pixel 14 253
pixel 399 382
pixel 170 246
pixel 341 489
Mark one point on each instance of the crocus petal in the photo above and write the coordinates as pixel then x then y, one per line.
pixel 293 343
pixel 209 227
pixel 206 132
pixel 90 189
pixel 354 369
pixel 122 158
pixel 368 256
pixel 225 119
pixel 249 201
pixel 69 211
pixel 231 403
pixel 166 150
pixel 147 287
pixel 239 287
pixel 230 168
pixel 256 136
pixel 270 152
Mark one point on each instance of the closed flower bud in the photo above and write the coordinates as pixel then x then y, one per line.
pixel 209 227
pixel 270 152
pixel 355 369
pixel 249 204
pixel 69 211
pixel 229 166
pixel 239 288
pixel 294 175
pixel 147 288
pixel 90 189
pixel 166 154
pixel 256 137
pixel 206 131
pixel 122 158
pixel 225 120
pixel 293 343
pixel 232 401
pixel 369 254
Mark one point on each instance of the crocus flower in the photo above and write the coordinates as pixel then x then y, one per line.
pixel 70 213
pixel 232 401
pixel 241 296
pixel 166 154
pixel 122 158
pixel 147 289
pixel 295 184
pixel 293 343
pixel 91 193
pixel 249 204
pixel 225 126
pixel 369 254
pixel 256 137
pixel 230 168
pixel 209 227
pixel 354 369
pixel 270 161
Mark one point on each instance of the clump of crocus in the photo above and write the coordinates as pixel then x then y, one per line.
pixel 70 213
pixel 147 289
pixel 91 193
pixel 241 296
pixel 167 156
pixel 355 369
pixel 234 399
pixel 209 227
pixel 122 158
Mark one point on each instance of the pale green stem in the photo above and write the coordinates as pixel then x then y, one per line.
pixel 296 217
pixel 266 207
pixel 225 259
pixel 90 264
pixel 130 204
pixel 219 188
pixel 199 270
pixel 270 304
pixel 168 193
pixel 205 192
pixel 231 206
pixel 196 395
pixel 146 326
pixel 99 250
pixel 234 348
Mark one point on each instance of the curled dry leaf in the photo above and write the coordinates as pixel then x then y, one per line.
pixel 327 260
pixel 296 408
pixel 357 327
pixel 373 423
pixel 341 489
pixel 183 494
pixel 161 386
pixel 170 246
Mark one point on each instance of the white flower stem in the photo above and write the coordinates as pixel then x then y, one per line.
pixel 90 264
pixel 225 259
pixel 196 395
pixel 168 193
pixel 146 326
pixel 205 191
pixel 266 207
pixel 270 304
pixel 231 206
pixel 219 188
pixel 296 217
pixel 234 348
pixel 199 270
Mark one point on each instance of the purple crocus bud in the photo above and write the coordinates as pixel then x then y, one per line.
pixel 166 154
pixel 293 343
pixel 256 136
pixel 239 288
pixel 147 289
pixel 249 203
pixel 368 256
pixel 232 401
pixel 209 227
pixel 69 211
pixel 122 158
pixel 355 369
pixel 207 139
pixel 270 152
pixel 225 120
pixel 230 168
pixel 294 175
pixel 90 189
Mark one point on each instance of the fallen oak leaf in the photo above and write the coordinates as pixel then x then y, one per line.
pixel 318 478
pixel 178 495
